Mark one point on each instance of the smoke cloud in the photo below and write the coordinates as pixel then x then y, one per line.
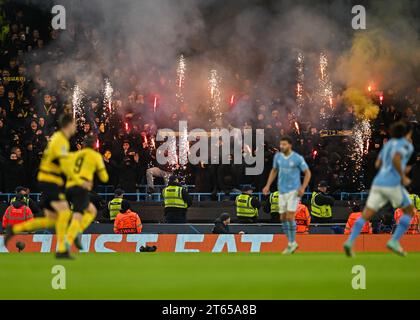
pixel 242 39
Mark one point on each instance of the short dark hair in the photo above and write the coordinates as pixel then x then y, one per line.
pixel 286 138
pixel 118 192
pixel 89 141
pixel 125 205
pixel 64 120
pixel 399 129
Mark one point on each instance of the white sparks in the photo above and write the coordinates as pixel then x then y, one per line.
pixel 215 94
pixel 361 134
pixel 108 90
pixel 300 79
pixel 325 86
pixel 77 103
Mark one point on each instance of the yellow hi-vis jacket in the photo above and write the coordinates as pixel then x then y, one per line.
pixel 274 202
pixel 244 207
pixel 324 211
pixel 114 207
pixel 172 197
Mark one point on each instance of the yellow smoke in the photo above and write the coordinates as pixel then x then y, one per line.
pixel 363 106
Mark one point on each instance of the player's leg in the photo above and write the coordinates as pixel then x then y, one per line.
pixel 376 200
pixel 88 216
pixel 403 225
pixel 290 216
pixel 83 221
pixel 63 217
pixel 79 197
pixel 282 211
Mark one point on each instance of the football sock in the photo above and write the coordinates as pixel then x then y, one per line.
pixel 286 229
pixel 402 227
pixel 61 228
pixel 292 226
pixel 357 228
pixel 87 219
pixel 73 231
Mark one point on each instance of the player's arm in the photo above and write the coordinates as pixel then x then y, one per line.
pixel 378 163
pixel 305 169
pixel 305 182
pixel 271 177
pixel 396 162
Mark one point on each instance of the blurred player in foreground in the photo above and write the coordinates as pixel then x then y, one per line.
pixel 54 165
pixel 288 165
pixel 389 186
pixel 85 163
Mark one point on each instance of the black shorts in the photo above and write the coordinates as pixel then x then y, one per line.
pixel 50 192
pixel 78 198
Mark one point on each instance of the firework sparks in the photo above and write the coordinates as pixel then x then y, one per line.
pixel 215 94
pixel 300 78
pixel 183 147
pixel 361 134
pixel 325 87
pixel 180 71
pixel 77 103
pixel 108 90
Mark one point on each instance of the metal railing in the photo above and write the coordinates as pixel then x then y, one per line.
pixel 197 196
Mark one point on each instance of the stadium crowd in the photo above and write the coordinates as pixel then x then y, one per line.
pixel 31 98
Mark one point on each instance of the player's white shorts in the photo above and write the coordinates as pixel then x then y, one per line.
pixel 380 196
pixel 288 202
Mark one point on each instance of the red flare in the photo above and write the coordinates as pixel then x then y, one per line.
pixel 126 126
pixel 97 144
pixel 381 98
pixel 314 153
pixel 232 100
pixel 155 104
pixel 297 127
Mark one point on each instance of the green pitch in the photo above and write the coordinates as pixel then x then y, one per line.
pixel 210 276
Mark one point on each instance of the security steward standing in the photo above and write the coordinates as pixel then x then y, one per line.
pixel 27 201
pixel 247 206
pixel 321 204
pixel 114 206
pixel 176 201
pixel 17 212
pixel 271 206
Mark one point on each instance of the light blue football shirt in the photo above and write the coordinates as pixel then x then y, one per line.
pixel 289 169
pixel 388 176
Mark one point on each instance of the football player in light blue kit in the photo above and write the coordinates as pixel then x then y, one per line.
pixel 389 186
pixel 288 165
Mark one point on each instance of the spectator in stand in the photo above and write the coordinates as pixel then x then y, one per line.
pixel 17 212
pixel 321 204
pixel 127 221
pixel 14 171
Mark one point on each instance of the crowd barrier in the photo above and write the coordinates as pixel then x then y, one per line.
pixel 192 243
pixel 197 196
